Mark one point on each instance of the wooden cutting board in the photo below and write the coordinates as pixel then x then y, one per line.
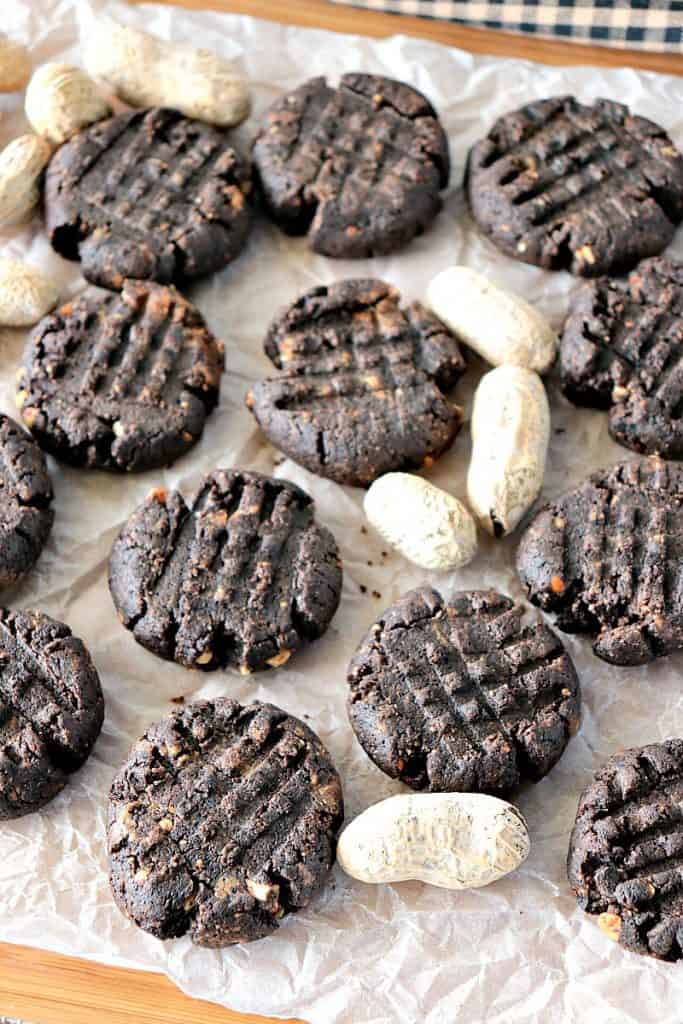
pixel 343 18
pixel 44 988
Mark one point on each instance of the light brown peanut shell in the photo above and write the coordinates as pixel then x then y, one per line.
pixel 26 293
pixel 22 163
pixel 453 840
pixel 427 525
pixel 500 326
pixel 15 65
pixel 62 100
pixel 510 433
pixel 145 71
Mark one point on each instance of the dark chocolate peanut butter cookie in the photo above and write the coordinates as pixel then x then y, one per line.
pixel 363 385
pixel 120 381
pixel 150 195
pixel 51 709
pixel 591 189
pixel 622 350
pixel 626 849
pixel 25 502
pixel 222 821
pixel 460 696
pixel 240 576
pixel 607 559
pixel 359 167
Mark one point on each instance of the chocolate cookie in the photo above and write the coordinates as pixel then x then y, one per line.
pixel 626 849
pixel 359 167
pixel 51 709
pixel 585 188
pixel 25 500
pixel 362 390
pixel 607 558
pixel 240 577
pixel 459 696
pixel 222 821
pixel 150 195
pixel 120 381
pixel 621 349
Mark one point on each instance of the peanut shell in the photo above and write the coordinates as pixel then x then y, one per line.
pixel 62 100
pixel 15 65
pixel 453 840
pixel 149 72
pixel 26 293
pixel 510 433
pixel 500 326
pixel 428 526
pixel 22 163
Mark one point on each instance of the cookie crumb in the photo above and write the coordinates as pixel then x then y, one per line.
pixel 610 924
pixel 557 585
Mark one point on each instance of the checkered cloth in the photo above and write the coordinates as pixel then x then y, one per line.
pixel 642 24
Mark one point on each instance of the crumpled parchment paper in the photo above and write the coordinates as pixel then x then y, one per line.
pixel 401 954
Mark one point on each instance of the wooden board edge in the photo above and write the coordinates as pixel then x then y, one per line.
pixel 352 20
pixel 48 988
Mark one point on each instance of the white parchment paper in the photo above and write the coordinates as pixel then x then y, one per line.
pixel 518 950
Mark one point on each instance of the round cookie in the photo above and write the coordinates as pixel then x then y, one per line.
pixel 25 502
pixel 460 696
pixel 607 559
pixel 590 189
pixel 148 194
pixel 621 349
pixel 626 847
pixel 241 576
pixel 120 380
pixel 222 821
pixel 51 709
pixel 363 382
pixel 358 167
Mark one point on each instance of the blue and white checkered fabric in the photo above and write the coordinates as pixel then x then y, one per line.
pixel 643 24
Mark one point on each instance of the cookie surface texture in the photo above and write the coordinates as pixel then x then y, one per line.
pixel 625 850
pixel 591 189
pixel 363 382
pixel 149 195
pixel 51 709
pixel 358 167
pixel 620 350
pixel 222 820
pixel 460 696
pixel 606 559
pixel 25 502
pixel 240 576
pixel 120 380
